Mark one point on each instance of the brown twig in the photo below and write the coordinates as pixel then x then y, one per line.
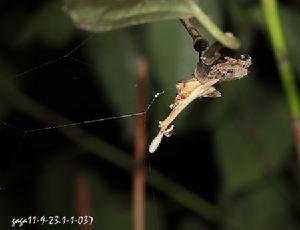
pixel 138 192
pixel 208 54
pixel 82 198
pixel 200 43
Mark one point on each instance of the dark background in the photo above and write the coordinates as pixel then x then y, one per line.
pixel 236 152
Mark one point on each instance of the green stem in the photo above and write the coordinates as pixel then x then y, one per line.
pixel 270 10
pixel 225 39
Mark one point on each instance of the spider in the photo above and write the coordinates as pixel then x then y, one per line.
pixel 211 68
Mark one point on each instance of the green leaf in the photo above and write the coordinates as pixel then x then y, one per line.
pixel 108 15
pixel 105 15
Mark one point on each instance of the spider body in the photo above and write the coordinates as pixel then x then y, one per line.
pixel 201 85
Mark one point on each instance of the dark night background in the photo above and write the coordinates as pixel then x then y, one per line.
pixel 236 152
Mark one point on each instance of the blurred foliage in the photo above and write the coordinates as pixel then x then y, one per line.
pixel 251 139
pixel 39 25
pixel 103 15
pixel 117 53
pixel 249 128
pixel 291 20
pixel 109 208
pixel 107 15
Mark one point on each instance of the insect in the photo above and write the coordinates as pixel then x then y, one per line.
pixel 201 84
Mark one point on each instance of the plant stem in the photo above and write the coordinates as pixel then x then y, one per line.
pixel 271 13
pixel 225 39
pixel 138 191
pixel 200 43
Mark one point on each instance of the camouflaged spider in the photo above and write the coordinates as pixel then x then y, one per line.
pixel 211 68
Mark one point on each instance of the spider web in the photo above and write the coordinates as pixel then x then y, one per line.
pixel 23 75
pixel 22 129
pixel 27 74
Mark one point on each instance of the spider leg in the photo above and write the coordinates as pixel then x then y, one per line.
pixel 201 71
pixel 211 54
